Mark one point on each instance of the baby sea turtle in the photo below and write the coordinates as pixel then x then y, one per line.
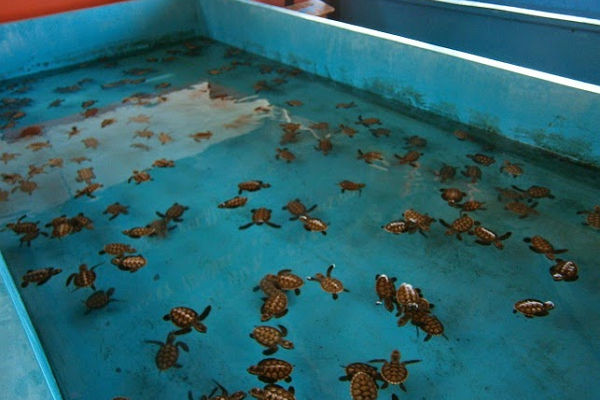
pixel 509 194
pixel 370 156
pixel 355 368
pixel 513 169
pixel 473 172
pixel 345 105
pixel 394 372
pixel 348 130
pixel 116 249
pixel 20 227
pixel 314 224
pixel 487 237
pixel 363 387
pixel 252 186
pixel 271 338
pixel 285 155
pixel 260 216
pixel 368 121
pixel 415 141
pixel 288 281
pixel 138 232
pixel 139 177
pixel 471 205
pixel 174 213
pixel 99 299
pixel 400 226
pixel 237 201
pixel 533 308
pixel 223 396
pixel 329 284
pixel 564 271
pixel 168 353
pixel 26 186
pixel 186 319
pixel 325 145
pixel 409 158
pixel 80 221
pixel 542 246
pixel 85 175
pixel 271 370
pixel 321 126
pixel 521 209
pixel 129 263
pixel 535 192
pixel 592 218
pixel 90 143
pixel 84 278
pixel 273 392
pixel 429 324
pixel 269 285
pixel 353 186
pixel 422 221
pixel 163 163
pixel 297 209
pixel 482 159
pixel 445 173
pixel 386 291
pixel 275 305
pixel 407 297
pixel 201 135
pixel 452 195
pixel 115 210
pixel 30 236
pixel 459 226
pixel 377 132
pixel 88 190
pixel 40 276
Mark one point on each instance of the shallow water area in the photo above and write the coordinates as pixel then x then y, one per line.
pixel 238 103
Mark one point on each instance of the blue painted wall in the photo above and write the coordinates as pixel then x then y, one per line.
pixel 582 8
pixel 564 48
pixel 59 40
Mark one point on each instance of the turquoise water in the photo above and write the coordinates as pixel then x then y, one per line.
pixel 207 260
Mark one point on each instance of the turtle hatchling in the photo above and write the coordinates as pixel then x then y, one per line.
pixel 260 216
pixel 84 278
pixel 39 276
pixel 363 387
pixel 329 284
pixel 271 338
pixel 394 372
pixel 168 353
pixel 271 370
pixel 186 319
pixel 99 299
pixel 533 308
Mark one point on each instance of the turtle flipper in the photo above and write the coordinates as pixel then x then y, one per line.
pixel 270 351
pixel 46 279
pixel 272 224
pixel 247 225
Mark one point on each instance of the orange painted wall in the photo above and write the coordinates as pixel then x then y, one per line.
pixel 15 10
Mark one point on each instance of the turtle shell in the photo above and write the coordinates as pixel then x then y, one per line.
pixel 167 356
pixel 261 215
pixel 176 211
pixel 539 192
pixel 274 306
pixel 99 299
pixel 541 245
pixel 564 271
pixel 407 295
pixel 272 370
pixel 363 387
pixel 410 156
pixel 314 224
pixel 183 317
pixel 533 308
pixel 513 169
pixel 482 159
pixel 325 146
pixel 289 281
pixel 332 285
pixel 593 218
pixel 472 172
pixel 272 392
pixel 354 368
pixel 452 195
pixel 252 186
pixel 431 325
pixel 85 278
pixel 295 207
pixel 271 337
pixel 237 201
pixel 285 154
pixel 446 172
pixel 472 205
pixel 270 285
pixel 139 232
pixel 349 185
pixel 129 263
pixel 386 290
pixel 61 230
pixel 394 373
pixel 463 224
pixel 117 249
pixel 398 227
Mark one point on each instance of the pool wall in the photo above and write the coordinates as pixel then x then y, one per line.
pixel 564 45
pixel 60 40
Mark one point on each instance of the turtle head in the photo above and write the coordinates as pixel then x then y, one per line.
pixel 395 356
pixel 548 305
pixel 200 327
pixel 286 344
pixel 257 393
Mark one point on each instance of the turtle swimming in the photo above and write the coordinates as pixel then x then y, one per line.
pixel 393 371
pixel 271 370
pixel 542 246
pixel 167 355
pixel 186 319
pixel 39 276
pixel 314 224
pixel 329 284
pixel 84 278
pixel 174 213
pixel 99 299
pixel 271 338
pixel 252 186
pixel 260 216
pixel 297 209
pixel 533 308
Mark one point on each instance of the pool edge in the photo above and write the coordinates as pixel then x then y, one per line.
pixel 29 331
